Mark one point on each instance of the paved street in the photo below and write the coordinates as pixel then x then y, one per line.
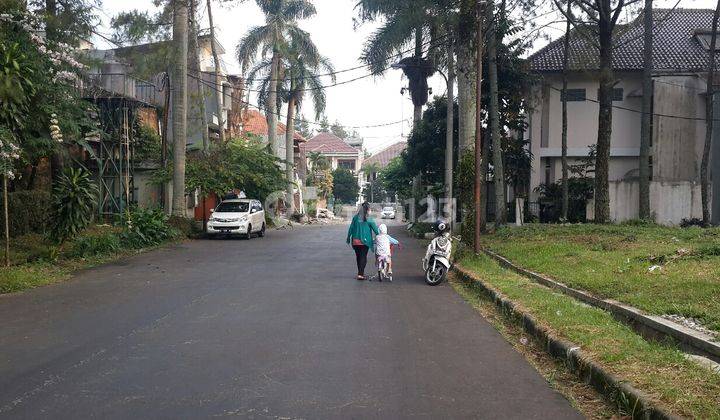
pixel 267 328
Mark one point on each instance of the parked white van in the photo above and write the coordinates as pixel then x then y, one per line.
pixel 237 217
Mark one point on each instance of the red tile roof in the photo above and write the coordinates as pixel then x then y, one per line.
pixel 254 122
pixel 328 143
pixel 383 157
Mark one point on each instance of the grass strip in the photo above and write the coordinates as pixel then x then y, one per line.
pixel 659 370
pixel 615 261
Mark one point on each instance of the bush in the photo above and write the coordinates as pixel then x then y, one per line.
pixel 74 201
pixel 691 222
pixel 29 211
pixel 92 245
pixel 146 227
pixel 184 226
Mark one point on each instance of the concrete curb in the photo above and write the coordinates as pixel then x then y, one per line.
pixel 653 326
pixel 593 374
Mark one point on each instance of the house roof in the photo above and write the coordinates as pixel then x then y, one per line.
pixel 383 157
pixel 254 122
pixel 328 143
pixel 675 46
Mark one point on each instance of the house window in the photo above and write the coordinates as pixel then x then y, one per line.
pixel 703 38
pixel 346 164
pixel 574 95
pixel 617 94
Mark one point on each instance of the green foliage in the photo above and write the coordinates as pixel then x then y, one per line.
pixel 374 191
pixel 396 179
pixel 345 186
pixel 74 201
pixel 244 164
pixel 337 129
pixel 425 154
pixel 146 227
pixel 465 180
pixel 16 85
pixel 148 145
pixel 580 190
pixel 95 244
pixel 29 211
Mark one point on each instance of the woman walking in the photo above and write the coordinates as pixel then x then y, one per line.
pixel 360 236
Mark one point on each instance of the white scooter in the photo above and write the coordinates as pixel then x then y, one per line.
pixel 437 257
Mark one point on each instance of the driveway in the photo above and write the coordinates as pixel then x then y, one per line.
pixel 269 328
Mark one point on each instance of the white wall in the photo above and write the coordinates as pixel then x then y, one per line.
pixel 670 201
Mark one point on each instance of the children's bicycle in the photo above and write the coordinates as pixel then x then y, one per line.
pixel 383 267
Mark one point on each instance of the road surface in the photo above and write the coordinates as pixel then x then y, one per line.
pixel 269 328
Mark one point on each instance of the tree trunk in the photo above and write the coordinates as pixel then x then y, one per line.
pixel 290 153
pixel 6 217
pixel 194 59
pixel 646 118
pixel 709 117
pixel 417 109
pixel 499 172
pixel 272 103
pixel 602 162
pixel 218 78
pixel 480 153
pixel 450 129
pixel 179 105
pixel 566 53
pixel 466 97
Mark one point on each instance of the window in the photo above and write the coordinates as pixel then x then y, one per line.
pixel 574 95
pixel 617 94
pixel 233 207
pixel 347 164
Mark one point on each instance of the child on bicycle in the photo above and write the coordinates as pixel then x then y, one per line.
pixel 383 243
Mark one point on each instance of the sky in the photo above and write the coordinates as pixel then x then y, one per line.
pixel 358 104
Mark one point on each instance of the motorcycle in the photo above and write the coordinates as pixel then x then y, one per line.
pixel 437 258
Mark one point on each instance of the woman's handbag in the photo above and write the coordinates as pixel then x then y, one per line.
pixel 357 242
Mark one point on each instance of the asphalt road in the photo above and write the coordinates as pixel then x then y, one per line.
pixel 268 328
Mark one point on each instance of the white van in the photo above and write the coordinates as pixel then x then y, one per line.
pixel 237 217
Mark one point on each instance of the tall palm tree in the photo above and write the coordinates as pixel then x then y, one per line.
pixel 273 40
pixel 300 67
pixel 404 23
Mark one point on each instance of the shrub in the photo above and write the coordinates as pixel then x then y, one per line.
pixel 74 201
pixel 29 211
pixel 146 227
pixel 184 226
pixel 92 245
pixel 691 222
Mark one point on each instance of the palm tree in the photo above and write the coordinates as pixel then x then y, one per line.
pixel 404 23
pixel 273 40
pixel 300 68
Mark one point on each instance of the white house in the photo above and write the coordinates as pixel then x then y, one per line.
pixel 680 55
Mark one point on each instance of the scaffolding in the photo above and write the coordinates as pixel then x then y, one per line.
pixel 119 98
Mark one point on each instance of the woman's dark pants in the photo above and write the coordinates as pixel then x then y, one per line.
pixel 361 252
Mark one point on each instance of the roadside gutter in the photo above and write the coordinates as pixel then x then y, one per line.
pixel 587 369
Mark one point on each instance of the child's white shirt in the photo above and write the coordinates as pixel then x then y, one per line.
pixel 382 244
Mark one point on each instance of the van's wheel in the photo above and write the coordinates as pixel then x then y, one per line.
pixel 262 231
pixel 249 232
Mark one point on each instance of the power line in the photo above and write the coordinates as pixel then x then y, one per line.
pixel 235 97
pixel 641 112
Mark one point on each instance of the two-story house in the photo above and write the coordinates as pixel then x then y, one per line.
pixel 338 153
pixel 680 56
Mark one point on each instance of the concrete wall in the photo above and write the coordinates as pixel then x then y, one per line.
pixel 677 142
pixel 670 201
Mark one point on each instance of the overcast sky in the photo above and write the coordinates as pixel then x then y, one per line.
pixel 368 101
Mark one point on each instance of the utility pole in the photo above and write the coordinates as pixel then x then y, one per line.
pixel 478 127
